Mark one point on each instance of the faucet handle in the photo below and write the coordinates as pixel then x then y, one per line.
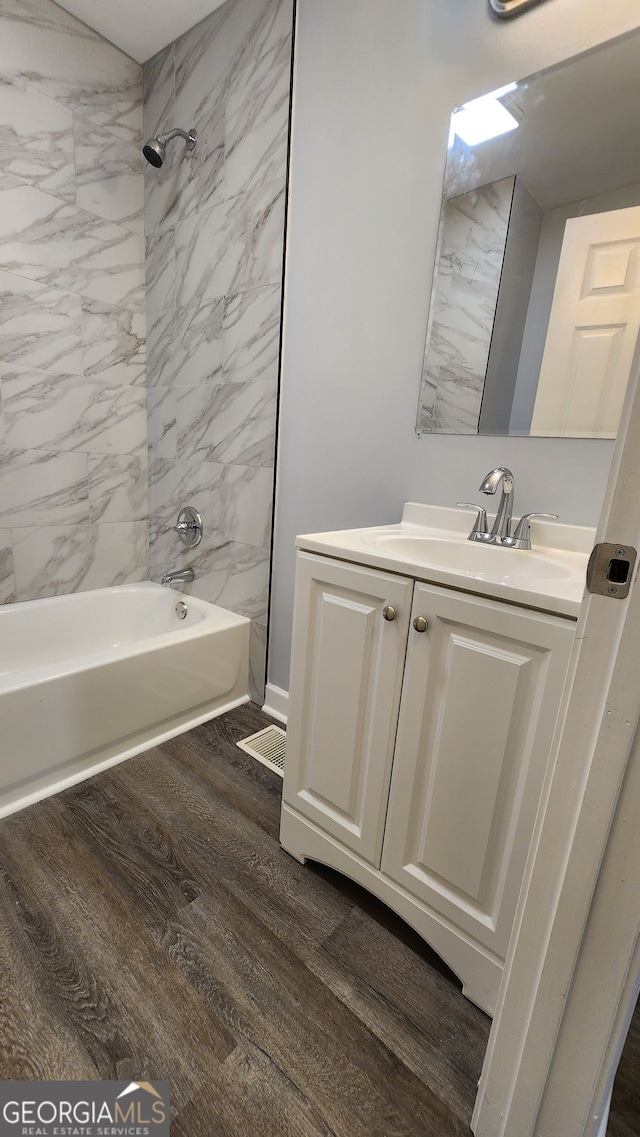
pixel 522 536
pixel 479 531
pixel 189 526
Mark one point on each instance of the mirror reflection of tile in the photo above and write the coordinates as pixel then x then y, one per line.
pixel 472 245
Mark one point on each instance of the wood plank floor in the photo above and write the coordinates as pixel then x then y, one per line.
pixel 624 1119
pixel 151 927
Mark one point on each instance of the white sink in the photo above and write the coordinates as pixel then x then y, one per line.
pixel 470 557
pixel 430 543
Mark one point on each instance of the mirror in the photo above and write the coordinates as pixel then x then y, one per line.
pixel 535 306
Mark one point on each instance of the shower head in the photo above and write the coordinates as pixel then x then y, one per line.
pixel 154 152
pixel 155 149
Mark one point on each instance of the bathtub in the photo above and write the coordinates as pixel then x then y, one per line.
pixel 91 679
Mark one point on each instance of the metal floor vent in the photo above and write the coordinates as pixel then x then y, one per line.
pixel 268 746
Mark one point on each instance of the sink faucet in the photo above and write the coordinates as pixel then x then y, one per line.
pixel 501 531
pixel 177 576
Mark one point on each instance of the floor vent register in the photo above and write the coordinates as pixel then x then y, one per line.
pixel 268 746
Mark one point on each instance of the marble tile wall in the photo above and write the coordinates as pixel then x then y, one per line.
pixel 214 246
pixel 73 432
pixel 471 251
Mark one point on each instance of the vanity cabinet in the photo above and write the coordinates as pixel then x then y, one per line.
pixel 415 758
pixel 348 663
pixel 479 703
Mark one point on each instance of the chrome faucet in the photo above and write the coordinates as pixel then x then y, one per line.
pixel 177 576
pixel 501 531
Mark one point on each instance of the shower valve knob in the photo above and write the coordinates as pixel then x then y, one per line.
pixel 189 526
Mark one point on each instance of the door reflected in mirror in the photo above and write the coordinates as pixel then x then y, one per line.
pixel 535 307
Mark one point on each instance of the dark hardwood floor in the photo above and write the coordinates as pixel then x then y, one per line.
pixel 624 1119
pixel 151 927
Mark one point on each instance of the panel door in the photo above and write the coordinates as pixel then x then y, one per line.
pixel 481 692
pixel 593 327
pixel 346 673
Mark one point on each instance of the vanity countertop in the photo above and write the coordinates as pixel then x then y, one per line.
pixel 430 543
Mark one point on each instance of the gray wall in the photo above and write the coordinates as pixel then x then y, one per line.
pixel 511 310
pixel 215 228
pixel 73 432
pixel 375 84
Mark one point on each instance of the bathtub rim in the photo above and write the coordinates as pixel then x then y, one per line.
pixel 126 586
pixel 72 664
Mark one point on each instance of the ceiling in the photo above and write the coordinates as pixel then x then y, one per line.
pixel 142 27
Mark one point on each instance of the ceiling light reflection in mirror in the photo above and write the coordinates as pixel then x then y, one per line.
pixel 482 119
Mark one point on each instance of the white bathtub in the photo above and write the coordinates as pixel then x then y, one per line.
pixel 90 679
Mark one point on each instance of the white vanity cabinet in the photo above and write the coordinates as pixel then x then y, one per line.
pixel 415 759
pixel 479 703
pixel 347 664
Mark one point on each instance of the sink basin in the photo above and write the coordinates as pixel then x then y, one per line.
pixel 430 544
pixel 476 560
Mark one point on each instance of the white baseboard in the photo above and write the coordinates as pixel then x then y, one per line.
pixel 276 703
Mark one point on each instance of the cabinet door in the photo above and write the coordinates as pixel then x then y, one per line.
pixel 480 698
pixel 346 673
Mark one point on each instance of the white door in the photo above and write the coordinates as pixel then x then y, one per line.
pixel 481 691
pixel 593 327
pixel 346 672
pixel 573 967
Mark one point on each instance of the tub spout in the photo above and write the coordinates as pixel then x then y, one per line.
pixel 177 576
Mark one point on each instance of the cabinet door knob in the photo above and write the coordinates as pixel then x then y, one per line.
pixel 389 612
pixel 420 624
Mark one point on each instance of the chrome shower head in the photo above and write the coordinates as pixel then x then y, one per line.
pixel 155 149
pixel 154 152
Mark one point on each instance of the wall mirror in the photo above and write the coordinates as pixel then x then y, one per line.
pixel 535 306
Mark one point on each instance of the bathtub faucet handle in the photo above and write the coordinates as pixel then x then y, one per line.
pixel 189 526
